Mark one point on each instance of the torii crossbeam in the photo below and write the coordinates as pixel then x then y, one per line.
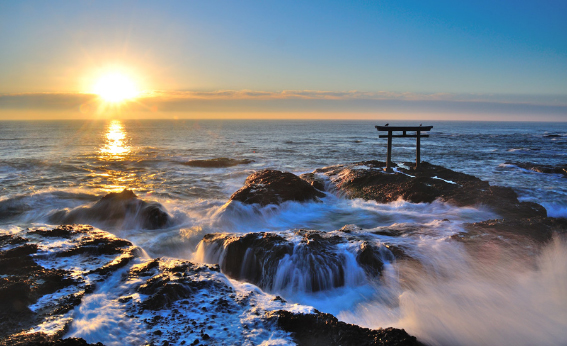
pixel 417 135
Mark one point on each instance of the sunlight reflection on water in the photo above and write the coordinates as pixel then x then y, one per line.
pixel 116 146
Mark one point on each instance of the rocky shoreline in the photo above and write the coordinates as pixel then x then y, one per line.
pixel 40 302
pixel 47 274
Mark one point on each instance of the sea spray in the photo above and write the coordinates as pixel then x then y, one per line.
pixel 473 303
pixel 333 213
pixel 102 318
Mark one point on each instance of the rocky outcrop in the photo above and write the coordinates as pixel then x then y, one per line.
pixel 43 339
pixel 172 283
pixel 251 257
pixel 314 180
pixel 217 162
pixel 550 169
pixel 24 282
pixel 312 258
pixel 274 187
pixel 539 229
pixel 196 298
pixel 47 273
pixel 115 209
pixel 371 257
pixel 367 180
pixel 322 329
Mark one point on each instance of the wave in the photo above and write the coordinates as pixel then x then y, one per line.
pixel 335 212
pixel 557 210
pixel 35 207
pixel 465 300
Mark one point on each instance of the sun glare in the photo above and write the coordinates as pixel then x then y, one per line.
pixel 115 88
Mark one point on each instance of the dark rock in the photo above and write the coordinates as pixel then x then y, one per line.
pixel 431 182
pixel 23 281
pixel 256 257
pixel 559 169
pixel 273 187
pixel 144 269
pixel 165 294
pixel 97 245
pixel 539 229
pixel 370 258
pixel 218 162
pixel 65 231
pixel 116 264
pixel 316 182
pixel 165 288
pixel 75 341
pixel 20 251
pixel 42 339
pixel 6 240
pixel 114 208
pixel 67 303
pixel 260 263
pixel 322 329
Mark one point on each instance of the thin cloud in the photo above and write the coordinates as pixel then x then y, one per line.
pixel 293 101
pixel 45 100
pixel 548 100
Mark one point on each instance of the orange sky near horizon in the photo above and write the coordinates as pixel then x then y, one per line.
pixel 318 60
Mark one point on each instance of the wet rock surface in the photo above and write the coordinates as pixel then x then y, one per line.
pixel 42 339
pixel 115 209
pixel 559 169
pixel 273 260
pixel 49 273
pixel 322 329
pixel 209 300
pixel 274 187
pixel 253 257
pixel 367 180
pixel 539 230
pixel 218 162
pixel 36 287
pixel 172 281
pixel 314 180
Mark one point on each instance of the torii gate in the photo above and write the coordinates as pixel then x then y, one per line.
pixel 417 135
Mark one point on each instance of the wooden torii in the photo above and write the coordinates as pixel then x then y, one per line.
pixel 417 135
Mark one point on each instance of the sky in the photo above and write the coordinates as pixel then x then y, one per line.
pixel 462 60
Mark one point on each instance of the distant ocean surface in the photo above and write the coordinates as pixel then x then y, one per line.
pixel 49 166
pixel 94 157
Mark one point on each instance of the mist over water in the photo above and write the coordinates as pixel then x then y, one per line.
pixel 473 302
pixel 448 293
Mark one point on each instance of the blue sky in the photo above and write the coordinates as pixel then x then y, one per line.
pixel 479 51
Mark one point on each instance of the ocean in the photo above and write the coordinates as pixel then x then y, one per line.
pixel 50 166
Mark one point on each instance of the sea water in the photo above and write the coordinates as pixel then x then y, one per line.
pixel 499 296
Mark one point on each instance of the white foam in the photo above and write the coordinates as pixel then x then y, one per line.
pixel 334 213
pixel 439 178
pixel 557 210
pixel 467 301
pixel 101 318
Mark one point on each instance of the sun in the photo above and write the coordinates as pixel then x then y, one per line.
pixel 115 87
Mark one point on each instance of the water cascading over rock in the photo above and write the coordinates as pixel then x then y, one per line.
pixel 117 208
pixel 304 261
